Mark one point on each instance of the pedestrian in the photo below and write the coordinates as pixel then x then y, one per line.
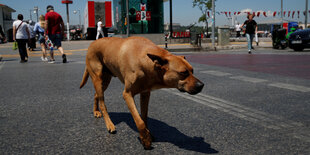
pixel 250 30
pixel 54 28
pixel 2 39
pixel 39 29
pixel 238 30
pixel 21 35
pixel 99 29
pixel 2 36
pixel 32 42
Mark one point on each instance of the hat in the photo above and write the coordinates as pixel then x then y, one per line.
pixel 50 7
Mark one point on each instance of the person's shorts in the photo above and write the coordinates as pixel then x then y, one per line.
pixel 56 39
pixel 41 38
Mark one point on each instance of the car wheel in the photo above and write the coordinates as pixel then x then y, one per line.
pixel 298 49
pixel 283 46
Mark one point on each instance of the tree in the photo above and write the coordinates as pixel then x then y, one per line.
pixel 204 6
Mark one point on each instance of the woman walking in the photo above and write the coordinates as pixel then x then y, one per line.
pixel 250 30
pixel 22 36
pixel 39 29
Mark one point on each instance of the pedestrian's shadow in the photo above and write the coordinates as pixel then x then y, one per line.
pixel 162 132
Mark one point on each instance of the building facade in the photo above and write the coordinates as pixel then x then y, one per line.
pixel 6 20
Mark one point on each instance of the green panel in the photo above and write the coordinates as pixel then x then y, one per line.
pixel 156 25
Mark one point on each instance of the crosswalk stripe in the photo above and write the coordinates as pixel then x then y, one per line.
pixel 216 73
pixel 248 114
pixel 248 79
pixel 291 87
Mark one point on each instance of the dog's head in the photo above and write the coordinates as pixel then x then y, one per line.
pixel 176 72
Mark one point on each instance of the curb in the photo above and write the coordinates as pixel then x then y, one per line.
pixel 217 48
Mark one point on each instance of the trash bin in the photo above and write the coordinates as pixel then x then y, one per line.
pixel 223 35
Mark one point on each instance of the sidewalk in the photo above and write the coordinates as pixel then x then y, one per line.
pixel 208 46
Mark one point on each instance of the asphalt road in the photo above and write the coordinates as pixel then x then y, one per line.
pixel 249 105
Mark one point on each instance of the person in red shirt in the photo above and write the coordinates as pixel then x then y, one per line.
pixel 54 28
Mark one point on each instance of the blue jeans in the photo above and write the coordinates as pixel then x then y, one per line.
pixel 249 38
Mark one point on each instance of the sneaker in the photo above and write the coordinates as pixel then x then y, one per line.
pixel 64 58
pixel 51 61
pixel 23 61
pixel 250 52
pixel 45 59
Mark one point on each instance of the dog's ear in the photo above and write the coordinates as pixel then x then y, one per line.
pixel 158 60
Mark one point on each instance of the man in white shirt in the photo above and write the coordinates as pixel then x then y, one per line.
pixel 238 29
pixel 99 29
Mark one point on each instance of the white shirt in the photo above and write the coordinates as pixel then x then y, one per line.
pixel 21 32
pixel 99 26
pixel 238 27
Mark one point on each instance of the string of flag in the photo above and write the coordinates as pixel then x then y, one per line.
pixel 289 14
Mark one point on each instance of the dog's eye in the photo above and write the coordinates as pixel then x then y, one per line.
pixel 185 73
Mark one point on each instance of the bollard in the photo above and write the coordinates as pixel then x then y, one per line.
pixel 166 41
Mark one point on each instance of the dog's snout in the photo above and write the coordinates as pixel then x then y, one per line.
pixel 199 86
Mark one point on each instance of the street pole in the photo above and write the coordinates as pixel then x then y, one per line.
pixel 171 30
pixel 207 29
pixel 127 16
pixel 30 15
pixel 306 14
pixel 37 13
pixel 213 24
pixel 68 30
pixel 80 19
pixel 281 13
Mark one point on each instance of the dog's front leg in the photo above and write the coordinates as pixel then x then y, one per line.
pixel 144 103
pixel 145 135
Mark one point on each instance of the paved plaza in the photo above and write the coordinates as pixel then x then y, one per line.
pixel 251 104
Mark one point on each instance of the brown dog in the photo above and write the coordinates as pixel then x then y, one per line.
pixel 142 66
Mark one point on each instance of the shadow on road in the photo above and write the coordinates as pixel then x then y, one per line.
pixel 165 133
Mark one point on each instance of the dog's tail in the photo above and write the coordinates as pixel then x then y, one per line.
pixel 85 78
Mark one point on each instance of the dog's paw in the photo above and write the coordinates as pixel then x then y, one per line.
pixel 97 114
pixel 146 139
pixel 111 128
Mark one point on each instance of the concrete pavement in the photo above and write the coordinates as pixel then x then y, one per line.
pixel 251 104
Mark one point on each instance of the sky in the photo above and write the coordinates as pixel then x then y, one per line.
pixel 183 12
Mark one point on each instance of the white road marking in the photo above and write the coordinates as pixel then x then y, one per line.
pixel 248 79
pixel 291 87
pixel 248 114
pixel 1 65
pixel 216 73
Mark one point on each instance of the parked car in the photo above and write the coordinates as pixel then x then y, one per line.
pixel 299 40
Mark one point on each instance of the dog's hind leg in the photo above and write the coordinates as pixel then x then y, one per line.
pixel 101 81
pixel 97 112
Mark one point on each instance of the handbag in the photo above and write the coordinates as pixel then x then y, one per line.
pixel 15 45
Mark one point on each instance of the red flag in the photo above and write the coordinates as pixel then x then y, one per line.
pixel 208 14
pixel 258 13
pixel 284 13
pixel 254 14
pixel 288 14
pixel 229 14
pixel 235 13
pixel 298 12
pixel 264 13
pixel 239 12
pixel 226 14
pixel 293 13
pixel 274 13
